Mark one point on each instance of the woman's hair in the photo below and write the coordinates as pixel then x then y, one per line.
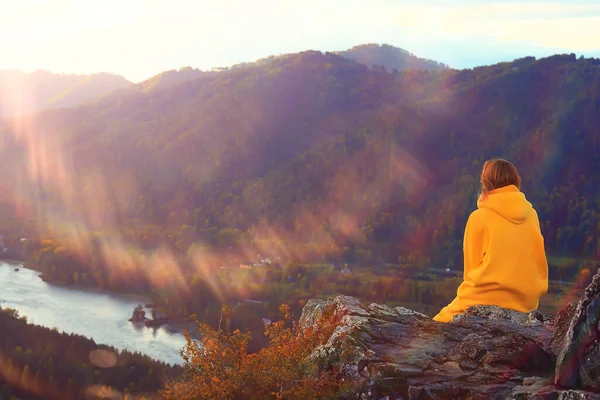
pixel 498 173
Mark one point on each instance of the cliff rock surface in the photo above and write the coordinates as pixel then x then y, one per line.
pixel 487 353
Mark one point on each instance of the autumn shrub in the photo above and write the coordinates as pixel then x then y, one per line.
pixel 220 366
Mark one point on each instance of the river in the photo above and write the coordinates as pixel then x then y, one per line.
pixel 100 316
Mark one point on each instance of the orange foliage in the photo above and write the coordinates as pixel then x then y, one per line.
pixel 46 243
pixel 220 367
pixel 60 250
pixel 585 278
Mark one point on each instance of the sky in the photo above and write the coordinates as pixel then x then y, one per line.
pixel 140 38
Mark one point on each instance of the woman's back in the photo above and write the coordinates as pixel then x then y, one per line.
pixel 504 258
pixel 513 272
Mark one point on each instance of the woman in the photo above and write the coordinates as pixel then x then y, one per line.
pixel 504 259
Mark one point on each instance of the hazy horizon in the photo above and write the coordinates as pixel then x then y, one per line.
pixel 141 39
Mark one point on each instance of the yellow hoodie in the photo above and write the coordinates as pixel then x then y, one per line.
pixel 504 258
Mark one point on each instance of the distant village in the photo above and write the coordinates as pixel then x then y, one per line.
pixel 345 268
pixel 261 263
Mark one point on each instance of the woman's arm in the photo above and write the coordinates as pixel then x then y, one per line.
pixel 543 262
pixel 473 243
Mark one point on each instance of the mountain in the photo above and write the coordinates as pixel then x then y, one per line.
pixel 311 157
pixel 25 93
pixel 390 57
pixel 169 78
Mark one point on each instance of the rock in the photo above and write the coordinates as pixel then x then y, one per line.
pixel 396 353
pixel 539 388
pixel 560 326
pixel 312 311
pixel 496 313
pixel 512 348
pixel 139 315
pixel 578 362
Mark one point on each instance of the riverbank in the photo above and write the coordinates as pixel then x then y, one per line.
pixel 96 365
pixel 98 315
pixel 175 324
pixel 12 261
pixel 143 299
pixel 129 296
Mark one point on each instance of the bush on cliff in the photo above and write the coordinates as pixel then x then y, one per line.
pixel 220 366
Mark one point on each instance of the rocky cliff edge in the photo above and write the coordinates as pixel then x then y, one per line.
pixel 488 353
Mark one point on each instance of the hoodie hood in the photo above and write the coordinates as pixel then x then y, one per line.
pixel 508 202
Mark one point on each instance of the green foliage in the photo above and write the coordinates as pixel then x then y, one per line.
pixel 40 363
pixel 386 164
pixel 389 57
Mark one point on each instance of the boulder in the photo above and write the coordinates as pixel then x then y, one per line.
pixel 578 363
pixel 486 353
pixel 139 315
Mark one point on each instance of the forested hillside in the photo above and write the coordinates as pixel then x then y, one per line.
pixel 303 158
pixel 24 93
pixel 389 57
pixel 40 363
pixel 170 78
